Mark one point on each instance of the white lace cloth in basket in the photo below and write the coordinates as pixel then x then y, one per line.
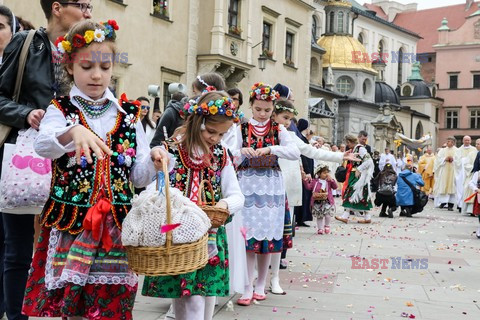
pixel 142 225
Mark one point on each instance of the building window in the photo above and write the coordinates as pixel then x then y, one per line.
pixel 451 119
pixel 233 10
pixel 160 8
pixel 453 81
pixel 314 29
pixel 400 66
pixel 166 95
pixel 475 119
pixel 436 114
pixel 476 81
pixel 345 85
pixel 332 22
pixel 289 48
pixel 340 22
pixel 267 34
pixel 360 38
pixel 419 130
pixel 407 91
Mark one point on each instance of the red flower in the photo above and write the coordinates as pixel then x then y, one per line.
pixel 114 24
pixel 181 171
pixel 226 263
pixel 210 173
pixel 183 283
pixel 270 246
pixel 120 148
pixel 78 41
pixel 186 292
pixel 199 285
pixel 59 39
pixel 214 261
pixel 256 246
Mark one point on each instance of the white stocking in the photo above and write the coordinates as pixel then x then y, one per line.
pixel 209 307
pixel 263 261
pixel 187 308
pixel 320 223
pixel 275 263
pixel 327 220
pixel 367 216
pixel 248 293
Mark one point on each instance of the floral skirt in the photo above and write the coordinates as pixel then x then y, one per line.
pixel 320 209
pixel 274 246
pixel 91 301
pixel 211 280
pixel 365 203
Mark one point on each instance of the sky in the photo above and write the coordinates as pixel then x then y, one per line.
pixel 426 4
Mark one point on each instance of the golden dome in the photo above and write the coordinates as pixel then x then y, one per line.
pixel 337 3
pixel 342 51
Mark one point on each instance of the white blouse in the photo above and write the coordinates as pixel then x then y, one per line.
pixel 54 125
pixel 286 150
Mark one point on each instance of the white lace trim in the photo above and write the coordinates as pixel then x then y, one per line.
pixel 70 276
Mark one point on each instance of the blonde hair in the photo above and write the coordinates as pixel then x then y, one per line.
pixel 351 138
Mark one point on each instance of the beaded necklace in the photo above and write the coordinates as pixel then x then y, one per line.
pixel 92 109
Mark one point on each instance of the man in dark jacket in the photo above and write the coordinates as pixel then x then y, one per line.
pixel 170 120
pixel 42 81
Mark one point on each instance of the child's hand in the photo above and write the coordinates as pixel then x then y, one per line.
pixel 85 140
pixel 159 156
pixel 329 177
pixel 35 117
pixel 248 152
pixel 263 151
pixel 222 204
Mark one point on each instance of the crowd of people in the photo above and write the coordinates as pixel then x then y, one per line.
pixel 270 171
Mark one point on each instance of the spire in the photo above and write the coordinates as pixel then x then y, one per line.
pixel 416 72
pixel 444 26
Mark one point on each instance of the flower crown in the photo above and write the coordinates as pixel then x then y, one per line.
pixel 223 106
pixel 266 93
pixel 281 108
pixel 80 41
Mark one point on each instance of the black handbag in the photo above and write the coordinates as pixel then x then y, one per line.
pixel 420 199
pixel 341 174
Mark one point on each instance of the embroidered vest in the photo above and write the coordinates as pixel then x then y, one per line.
pixel 267 161
pixel 183 173
pixel 75 188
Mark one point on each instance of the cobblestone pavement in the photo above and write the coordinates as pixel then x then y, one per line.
pixel 321 283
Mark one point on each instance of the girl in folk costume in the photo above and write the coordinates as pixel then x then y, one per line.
pixel 98 146
pixel 322 203
pixel 198 156
pixel 356 193
pixel 475 187
pixel 260 143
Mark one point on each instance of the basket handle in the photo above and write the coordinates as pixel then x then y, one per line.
pixel 200 193
pixel 168 242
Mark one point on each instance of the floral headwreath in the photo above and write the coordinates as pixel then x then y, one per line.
pixel 80 41
pixel 280 108
pixel 266 93
pixel 223 106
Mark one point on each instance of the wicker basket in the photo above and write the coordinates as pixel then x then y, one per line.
pixel 319 196
pixel 172 259
pixel 217 216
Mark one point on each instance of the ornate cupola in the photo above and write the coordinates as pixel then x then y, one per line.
pixel 338 17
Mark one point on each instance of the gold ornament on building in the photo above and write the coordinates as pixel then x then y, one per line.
pixel 338 3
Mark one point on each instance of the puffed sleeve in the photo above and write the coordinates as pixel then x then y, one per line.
pixel 52 126
pixel 287 148
pixel 311 152
pixel 231 191
pixel 143 171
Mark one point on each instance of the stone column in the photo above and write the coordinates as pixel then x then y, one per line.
pixel 218 31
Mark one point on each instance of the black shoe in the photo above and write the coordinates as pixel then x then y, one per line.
pixel 383 215
pixel 402 213
pixel 390 213
pixel 450 207
pixel 302 224
pixel 442 205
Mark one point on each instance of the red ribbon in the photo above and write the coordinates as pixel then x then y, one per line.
pixel 169 227
pixel 94 221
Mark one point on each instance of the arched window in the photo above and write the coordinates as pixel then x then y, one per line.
pixel 340 22
pixel 400 67
pixel 380 48
pixel 332 22
pixel 314 29
pixel 360 38
pixel 419 131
